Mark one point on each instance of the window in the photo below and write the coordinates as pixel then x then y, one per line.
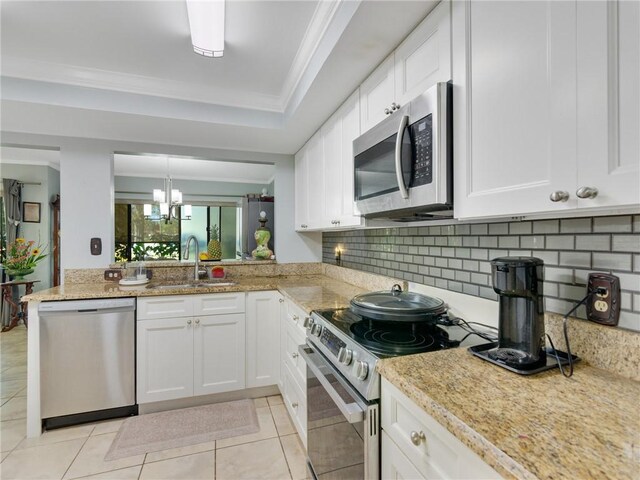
pixel 140 238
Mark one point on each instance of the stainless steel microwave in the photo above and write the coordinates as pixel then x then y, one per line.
pixel 402 166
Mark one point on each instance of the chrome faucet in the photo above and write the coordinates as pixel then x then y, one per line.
pixel 196 275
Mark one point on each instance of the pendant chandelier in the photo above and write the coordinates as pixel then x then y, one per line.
pixel 168 199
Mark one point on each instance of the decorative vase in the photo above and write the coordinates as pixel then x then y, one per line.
pixel 262 236
pixel 18 275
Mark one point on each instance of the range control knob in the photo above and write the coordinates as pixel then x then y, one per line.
pixel 316 329
pixel 345 355
pixel 309 324
pixel 362 370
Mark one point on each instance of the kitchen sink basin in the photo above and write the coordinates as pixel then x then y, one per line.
pixel 190 285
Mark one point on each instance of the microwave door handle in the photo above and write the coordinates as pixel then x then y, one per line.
pixel 351 411
pixel 399 177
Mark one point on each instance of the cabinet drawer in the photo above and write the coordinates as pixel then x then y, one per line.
pixel 438 454
pixel 294 361
pixel 295 401
pixel 170 306
pixel 218 303
pixel 395 464
pixel 296 318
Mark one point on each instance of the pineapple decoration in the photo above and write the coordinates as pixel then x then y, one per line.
pixel 214 249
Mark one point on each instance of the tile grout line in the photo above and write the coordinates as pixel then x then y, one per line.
pixel 285 457
pixel 76 455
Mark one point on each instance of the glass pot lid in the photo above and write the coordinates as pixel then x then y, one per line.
pixel 397 305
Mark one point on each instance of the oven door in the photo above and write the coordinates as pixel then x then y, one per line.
pixel 342 428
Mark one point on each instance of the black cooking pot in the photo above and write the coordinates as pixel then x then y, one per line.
pixel 398 306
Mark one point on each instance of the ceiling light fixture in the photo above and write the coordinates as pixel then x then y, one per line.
pixel 206 22
pixel 167 200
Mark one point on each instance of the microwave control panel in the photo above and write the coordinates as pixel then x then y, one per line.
pixel 421 133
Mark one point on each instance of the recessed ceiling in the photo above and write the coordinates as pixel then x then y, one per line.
pixel 125 70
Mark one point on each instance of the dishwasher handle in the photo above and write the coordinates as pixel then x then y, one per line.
pixel 88 306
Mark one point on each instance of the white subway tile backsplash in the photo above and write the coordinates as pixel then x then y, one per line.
pixel 612 224
pixel 458 257
pixel 625 243
pixel 629 320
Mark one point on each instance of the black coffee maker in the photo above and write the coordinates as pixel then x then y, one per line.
pixel 518 282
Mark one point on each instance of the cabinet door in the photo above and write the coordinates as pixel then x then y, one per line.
pixel 301 212
pixel 350 115
pixel 219 353
pixel 395 465
pixel 332 146
pixel 609 102
pixel 376 94
pixel 424 58
pixel 263 339
pixel 164 362
pixel 315 182
pixel 514 75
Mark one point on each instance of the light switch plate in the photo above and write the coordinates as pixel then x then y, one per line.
pixel 96 246
pixel 604 308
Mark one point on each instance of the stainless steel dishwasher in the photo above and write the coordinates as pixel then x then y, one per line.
pixel 87 360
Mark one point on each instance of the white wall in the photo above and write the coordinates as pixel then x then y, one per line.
pixel 86 204
pixel 87 194
pixel 49 186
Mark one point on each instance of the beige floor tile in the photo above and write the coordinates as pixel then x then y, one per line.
pixel 11 434
pixel 45 462
pixel 130 473
pixel 283 422
pixel 267 430
pixel 179 452
pixel 295 455
pixel 56 436
pixel 192 467
pixel 14 409
pixel 15 373
pixel 259 460
pixel 275 400
pixel 10 387
pixel 108 426
pixel 260 402
pixel 90 460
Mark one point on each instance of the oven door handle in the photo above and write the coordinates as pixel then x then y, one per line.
pixel 351 411
pixel 399 175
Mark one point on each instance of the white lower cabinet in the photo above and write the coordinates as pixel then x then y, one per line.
pixel 183 355
pixel 218 353
pixel 263 338
pixel 415 445
pixel 293 368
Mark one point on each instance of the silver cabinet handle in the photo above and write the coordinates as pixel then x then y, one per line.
pixel 294 405
pixel 294 355
pixel 417 438
pixel 188 322
pixel 295 318
pixel 197 321
pixel 304 225
pixel 395 106
pixel 387 111
pixel 281 300
pixel 559 196
pixel 587 192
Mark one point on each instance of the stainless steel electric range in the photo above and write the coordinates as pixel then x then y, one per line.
pixel 343 386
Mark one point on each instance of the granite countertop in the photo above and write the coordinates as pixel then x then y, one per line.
pixel 310 292
pixel 540 426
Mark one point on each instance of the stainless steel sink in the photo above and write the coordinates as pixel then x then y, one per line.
pixel 190 285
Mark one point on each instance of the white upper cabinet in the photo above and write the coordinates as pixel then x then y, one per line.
pixel 424 58
pixel 301 211
pixel 535 119
pixel 376 94
pixel 325 167
pixel 609 102
pixel 421 60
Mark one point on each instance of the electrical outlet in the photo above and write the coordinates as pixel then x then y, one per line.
pixel 113 274
pixel 604 307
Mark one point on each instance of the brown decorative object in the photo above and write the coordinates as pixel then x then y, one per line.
pixel 18 308
pixel 31 212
